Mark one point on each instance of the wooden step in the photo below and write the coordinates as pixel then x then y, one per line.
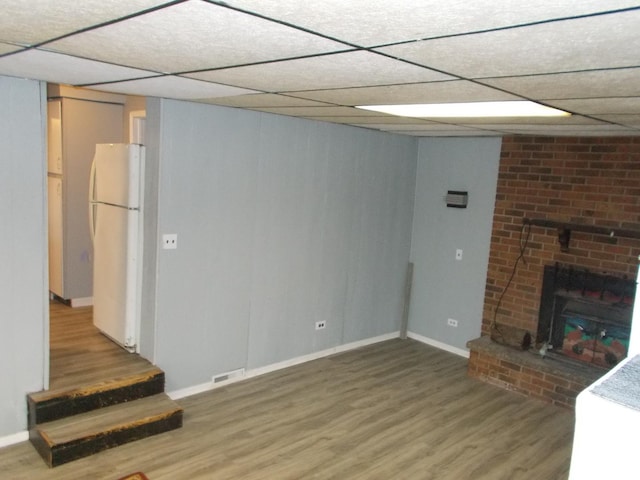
pixel 68 439
pixel 55 404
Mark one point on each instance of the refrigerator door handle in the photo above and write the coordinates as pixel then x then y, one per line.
pixel 92 206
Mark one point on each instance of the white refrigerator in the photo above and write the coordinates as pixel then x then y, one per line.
pixel 115 210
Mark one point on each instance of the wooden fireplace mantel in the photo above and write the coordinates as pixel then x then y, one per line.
pixel 564 230
pixel 579 227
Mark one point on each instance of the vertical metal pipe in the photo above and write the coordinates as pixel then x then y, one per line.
pixel 407 302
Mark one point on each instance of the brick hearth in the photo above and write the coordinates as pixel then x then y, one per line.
pixel 549 379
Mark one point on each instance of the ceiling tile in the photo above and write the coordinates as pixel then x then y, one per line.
pixel 453 133
pixel 377 22
pixel 434 92
pixel 580 85
pixel 588 106
pixel 573 130
pixel 628 120
pixel 571 120
pixel 8 48
pixel 57 68
pixel 422 127
pixel 307 52
pixel 171 87
pixel 343 70
pixel 59 17
pixel 193 35
pixel 608 41
pixel 318 111
pixel 262 100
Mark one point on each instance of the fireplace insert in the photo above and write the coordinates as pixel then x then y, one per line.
pixel 585 315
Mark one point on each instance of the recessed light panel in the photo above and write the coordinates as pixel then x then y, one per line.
pixel 469 110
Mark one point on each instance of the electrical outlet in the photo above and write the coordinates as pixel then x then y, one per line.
pixel 459 254
pixel 452 323
pixel 170 241
pixel 321 325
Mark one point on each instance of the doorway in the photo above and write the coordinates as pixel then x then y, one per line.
pixel 77 352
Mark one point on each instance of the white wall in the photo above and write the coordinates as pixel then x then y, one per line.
pixel 281 223
pixel 23 302
pixel 444 287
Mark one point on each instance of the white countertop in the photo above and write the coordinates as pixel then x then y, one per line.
pixel 607 425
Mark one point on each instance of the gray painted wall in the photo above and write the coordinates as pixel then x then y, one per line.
pixel 150 229
pixel 280 223
pixel 444 287
pixel 23 301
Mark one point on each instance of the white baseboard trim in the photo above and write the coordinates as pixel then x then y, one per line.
pixel 205 387
pixel 194 390
pixel 13 439
pixel 321 354
pixel 81 302
pixel 212 385
pixel 435 343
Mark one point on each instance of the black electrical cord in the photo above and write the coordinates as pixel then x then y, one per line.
pixel 523 247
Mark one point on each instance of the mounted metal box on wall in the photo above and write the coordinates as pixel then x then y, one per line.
pixel 456 199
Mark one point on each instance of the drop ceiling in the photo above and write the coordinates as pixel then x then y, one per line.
pixel 319 59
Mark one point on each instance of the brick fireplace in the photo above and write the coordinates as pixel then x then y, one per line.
pixel 563 197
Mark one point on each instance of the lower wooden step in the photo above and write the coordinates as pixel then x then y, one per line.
pixel 71 438
pixel 49 405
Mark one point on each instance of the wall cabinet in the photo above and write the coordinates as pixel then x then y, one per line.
pixel 74 127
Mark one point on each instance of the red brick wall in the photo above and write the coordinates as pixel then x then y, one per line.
pixel 594 181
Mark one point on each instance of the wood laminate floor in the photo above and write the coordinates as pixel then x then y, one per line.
pixel 80 355
pixel 394 410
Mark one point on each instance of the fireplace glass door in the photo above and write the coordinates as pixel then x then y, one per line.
pixel 603 341
pixel 586 316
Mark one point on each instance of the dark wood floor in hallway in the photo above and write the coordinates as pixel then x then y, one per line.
pixel 80 355
pixel 393 410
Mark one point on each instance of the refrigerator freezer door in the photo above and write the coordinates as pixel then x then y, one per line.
pixel 117 174
pixel 115 273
